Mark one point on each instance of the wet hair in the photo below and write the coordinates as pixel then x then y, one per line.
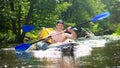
pixel 60 21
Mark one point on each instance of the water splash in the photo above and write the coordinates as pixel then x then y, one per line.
pixel 79 51
pixel 93 42
pixel 49 53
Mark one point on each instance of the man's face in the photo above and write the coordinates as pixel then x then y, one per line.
pixel 60 26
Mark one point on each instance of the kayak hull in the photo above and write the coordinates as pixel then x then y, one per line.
pixel 66 48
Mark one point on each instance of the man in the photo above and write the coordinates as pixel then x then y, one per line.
pixel 59 35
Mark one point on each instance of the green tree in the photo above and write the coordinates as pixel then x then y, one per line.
pixel 25 12
pixel 82 11
pixel 46 12
pixel 109 25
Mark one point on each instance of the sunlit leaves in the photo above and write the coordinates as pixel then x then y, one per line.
pixel 117 31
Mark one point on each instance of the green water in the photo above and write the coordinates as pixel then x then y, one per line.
pixel 107 57
pixel 101 57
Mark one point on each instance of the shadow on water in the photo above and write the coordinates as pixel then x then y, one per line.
pixel 101 57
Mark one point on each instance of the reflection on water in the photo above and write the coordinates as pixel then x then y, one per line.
pixel 107 57
pixel 91 53
pixel 24 55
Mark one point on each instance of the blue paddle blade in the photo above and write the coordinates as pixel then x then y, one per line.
pixel 74 28
pixel 22 47
pixel 27 28
pixel 100 16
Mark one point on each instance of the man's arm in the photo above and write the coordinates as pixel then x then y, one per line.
pixel 72 35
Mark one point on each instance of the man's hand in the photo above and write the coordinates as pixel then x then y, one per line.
pixel 69 29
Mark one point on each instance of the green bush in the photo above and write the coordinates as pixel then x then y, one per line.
pixel 117 31
pixel 7 37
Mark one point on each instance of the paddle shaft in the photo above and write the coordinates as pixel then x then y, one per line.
pixel 40 40
pixel 84 22
pixel 47 37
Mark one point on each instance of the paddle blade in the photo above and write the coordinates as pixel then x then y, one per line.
pixel 22 47
pixel 27 28
pixel 100 16
pixel 74 28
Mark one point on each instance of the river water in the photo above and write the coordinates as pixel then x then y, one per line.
pixel 95 52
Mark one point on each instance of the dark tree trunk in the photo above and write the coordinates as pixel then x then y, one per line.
pixel 19 16
pixel 30 12
pixel 27 19
pixel 14 28
pixel 19 25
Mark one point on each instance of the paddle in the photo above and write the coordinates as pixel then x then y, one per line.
pixel 98 17
pixel 27 28
pixel 24 47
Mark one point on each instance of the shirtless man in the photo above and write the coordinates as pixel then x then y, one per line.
pixel 59 35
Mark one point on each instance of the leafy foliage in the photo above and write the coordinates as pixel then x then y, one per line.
pixel 7 37
pixel 44 13
pixel 117 31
